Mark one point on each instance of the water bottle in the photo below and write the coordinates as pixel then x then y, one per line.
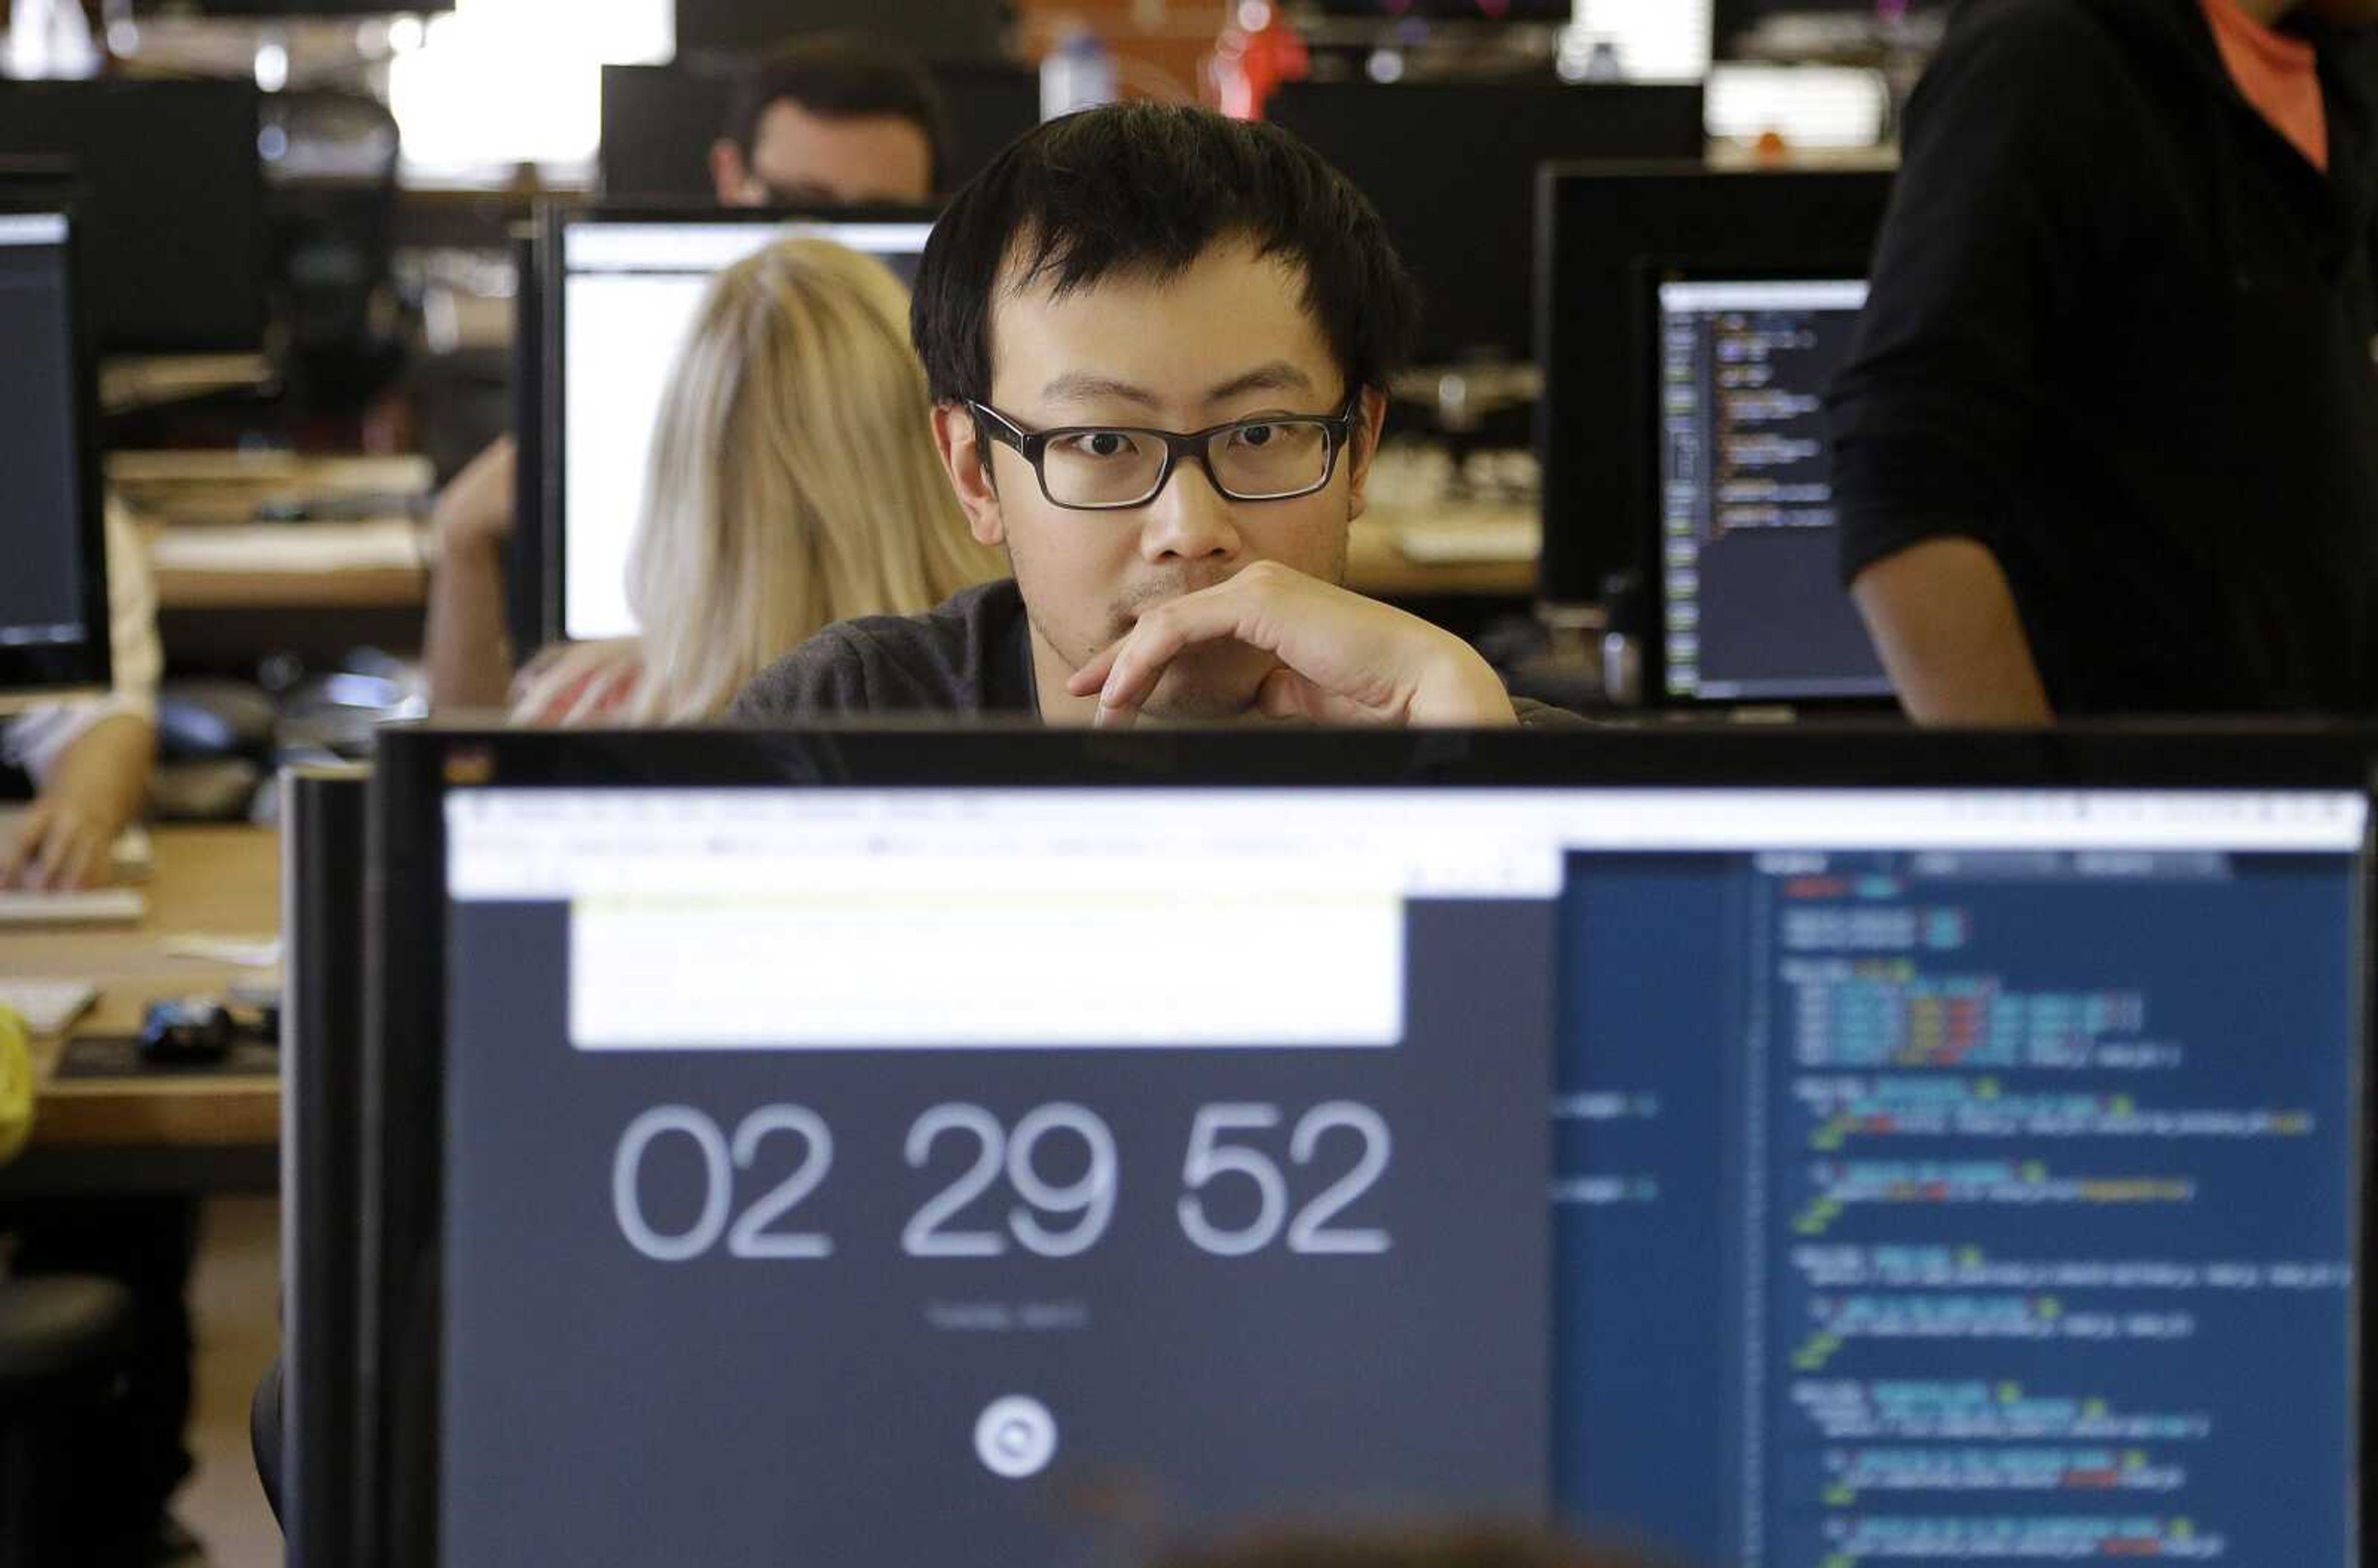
pixel 1077 74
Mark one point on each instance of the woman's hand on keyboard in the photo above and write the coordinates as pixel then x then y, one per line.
pixel 54 845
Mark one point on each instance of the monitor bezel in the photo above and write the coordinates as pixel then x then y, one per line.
pixel 30 677
pixel 405 1071
pixel 550 563
pixel 1645 369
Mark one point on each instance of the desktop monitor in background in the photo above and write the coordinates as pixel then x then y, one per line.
pixel 621 288
pixel 1597 226
pixel 323 860
pixel 783 1122
pixel 1451 168
pixel 1731 367
pixel 660 122
pixel 859 1166
pixel 53 615
pixel 175 232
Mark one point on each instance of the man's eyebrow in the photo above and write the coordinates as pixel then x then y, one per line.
pixel 1083 387
pixel 1277 376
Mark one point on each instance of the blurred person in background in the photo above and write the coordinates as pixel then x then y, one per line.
pixel 835 120
pixel 794 482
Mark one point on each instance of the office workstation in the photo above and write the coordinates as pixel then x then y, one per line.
pixel 1338 783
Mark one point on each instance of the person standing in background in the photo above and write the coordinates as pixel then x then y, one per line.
pixel 2107 438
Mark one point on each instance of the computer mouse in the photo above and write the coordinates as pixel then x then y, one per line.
pixel 192 1031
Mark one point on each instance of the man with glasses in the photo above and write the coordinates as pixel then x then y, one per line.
pixel 1157 342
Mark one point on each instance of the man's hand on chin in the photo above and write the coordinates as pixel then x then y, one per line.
pixel 1343 659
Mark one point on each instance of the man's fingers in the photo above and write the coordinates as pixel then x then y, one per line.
pixel 15 849
pixel 1092 676
pixel 1290 696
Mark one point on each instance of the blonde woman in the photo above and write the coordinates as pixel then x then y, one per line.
pixel 793 484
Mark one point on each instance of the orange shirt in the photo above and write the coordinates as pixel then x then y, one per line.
pixel 2280 76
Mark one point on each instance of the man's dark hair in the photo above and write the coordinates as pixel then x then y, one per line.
pixel 1145 189
pixel 842 76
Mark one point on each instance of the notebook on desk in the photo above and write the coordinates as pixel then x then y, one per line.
pixel 48 1006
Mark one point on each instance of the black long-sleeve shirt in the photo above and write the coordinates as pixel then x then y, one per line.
pixel 2122 334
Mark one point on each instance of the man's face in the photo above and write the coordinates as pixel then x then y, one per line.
pixel 803 160
pixel 1229 339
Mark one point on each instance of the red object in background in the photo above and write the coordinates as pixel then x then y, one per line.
pixel 1257 51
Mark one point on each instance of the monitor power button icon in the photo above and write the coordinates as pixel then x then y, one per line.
pixel 1015 1437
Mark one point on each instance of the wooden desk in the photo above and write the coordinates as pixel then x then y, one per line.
pixel 1376 566
pixel 162 1130
pixel 330 566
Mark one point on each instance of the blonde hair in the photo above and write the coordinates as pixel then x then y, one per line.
pixel 794 481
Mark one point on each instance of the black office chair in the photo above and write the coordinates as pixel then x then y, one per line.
pixel 65 1340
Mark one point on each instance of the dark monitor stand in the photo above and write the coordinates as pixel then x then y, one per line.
pixel 53 609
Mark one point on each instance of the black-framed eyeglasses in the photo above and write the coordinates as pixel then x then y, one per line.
pixel 1100 467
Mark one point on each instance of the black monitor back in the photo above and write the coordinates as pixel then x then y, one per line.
pixel 1451 168
pixel 660 122
pixel 324 821
pixel 1596 224
pixel 176 232
pixel 525 553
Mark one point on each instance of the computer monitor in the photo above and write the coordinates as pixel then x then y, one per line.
pixel 1597 224
pixel 660 122
pixel 1072 1254
pixel 54 615
pixel 1731 367
pixel 176 241
pixel 621 288
pixel 324 828
pixel 936 30
pixel 1060 1134
pixel 1451 168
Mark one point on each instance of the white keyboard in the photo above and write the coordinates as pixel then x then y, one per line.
pixel 99 906
pixel 48 1006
